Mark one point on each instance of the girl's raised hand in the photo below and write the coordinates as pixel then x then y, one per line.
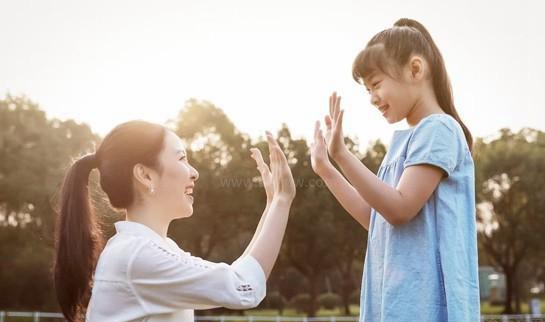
pixel 282 179
pixel 334 127
pixel 266 175
pixel 318 151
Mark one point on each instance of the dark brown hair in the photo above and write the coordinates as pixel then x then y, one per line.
pixel 394 46
pixel 79 239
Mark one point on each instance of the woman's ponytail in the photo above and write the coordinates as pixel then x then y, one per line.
pixel 78 241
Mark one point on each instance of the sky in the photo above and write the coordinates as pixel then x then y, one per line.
pixel 263 62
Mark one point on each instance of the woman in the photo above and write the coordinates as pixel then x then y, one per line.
pixel 141 274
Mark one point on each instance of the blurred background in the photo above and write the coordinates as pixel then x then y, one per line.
pixel 220 74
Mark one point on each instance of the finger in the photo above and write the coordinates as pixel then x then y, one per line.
pixel 253 153
pixel 328 122
pixel 316 129
pixel 339 122
pixel 339 103
pixel 274 147
pixel 258 157
pixel 332 98
pixel 331 105
pixel 270 142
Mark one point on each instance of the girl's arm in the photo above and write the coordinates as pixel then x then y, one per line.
pixel 397 205
pixel 347 196
pixel 345 193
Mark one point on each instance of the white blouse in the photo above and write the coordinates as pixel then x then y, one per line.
pixel 142 277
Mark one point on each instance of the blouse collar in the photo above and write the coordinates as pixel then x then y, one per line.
pixel 138 229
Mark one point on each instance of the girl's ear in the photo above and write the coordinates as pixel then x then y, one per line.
pixel 416 68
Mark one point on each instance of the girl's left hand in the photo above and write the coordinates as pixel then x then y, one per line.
pixel 265 172
pixel 319 159
pixel 334 125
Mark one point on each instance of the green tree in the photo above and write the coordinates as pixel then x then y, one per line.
pixel 226 204
pixel 511 208
pixel 350 238
pixel 34 154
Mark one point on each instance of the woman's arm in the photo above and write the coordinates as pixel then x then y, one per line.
pixel 266 177
pixel 268 239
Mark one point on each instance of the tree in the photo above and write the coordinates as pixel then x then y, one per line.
pixel 226 205
pixel 34 154
pixel 351 239
pixel 511 209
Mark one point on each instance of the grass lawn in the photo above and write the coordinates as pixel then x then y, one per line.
pixel 486 309
pixel 354 310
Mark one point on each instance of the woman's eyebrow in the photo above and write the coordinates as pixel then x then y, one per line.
pixel 181 152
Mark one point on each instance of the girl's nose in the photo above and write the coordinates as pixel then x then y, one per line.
pixel 194 174
pixel 374 99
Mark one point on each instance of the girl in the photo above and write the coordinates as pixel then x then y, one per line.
pixel 421 260
pixel 141 274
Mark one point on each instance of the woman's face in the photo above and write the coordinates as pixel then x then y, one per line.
pixel 394 98
pixel 174 185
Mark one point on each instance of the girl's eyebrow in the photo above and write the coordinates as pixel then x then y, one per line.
pixel 368 79
pixel 180 152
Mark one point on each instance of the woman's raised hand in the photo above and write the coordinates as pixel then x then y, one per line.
pixel 266 175
pixel 334 127
pixel 282 179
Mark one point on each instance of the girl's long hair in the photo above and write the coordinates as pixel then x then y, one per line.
pixel 394 46
pixel 79 239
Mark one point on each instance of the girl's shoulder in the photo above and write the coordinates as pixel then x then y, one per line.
pixel 438 120
pixel 442 128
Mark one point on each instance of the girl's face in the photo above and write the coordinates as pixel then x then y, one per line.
pixel 174 186
pixel 393 97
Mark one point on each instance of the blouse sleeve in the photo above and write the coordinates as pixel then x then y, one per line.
pixel 434 142
pixel 163 280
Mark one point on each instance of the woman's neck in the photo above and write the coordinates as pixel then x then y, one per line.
pixel 149 217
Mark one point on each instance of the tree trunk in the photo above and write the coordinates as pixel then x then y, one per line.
pixel 312 307
pixel 348 286
pixel 509 280
pixel 518 309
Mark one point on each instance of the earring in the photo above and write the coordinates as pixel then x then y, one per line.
pixel 152 189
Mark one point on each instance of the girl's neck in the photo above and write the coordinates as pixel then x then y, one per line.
pixel 424 106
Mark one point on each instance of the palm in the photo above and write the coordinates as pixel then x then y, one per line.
pixel 334 133
pixel 319 159
pixel 281 176
pixel 265 172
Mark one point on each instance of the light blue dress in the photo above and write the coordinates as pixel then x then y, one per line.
pixel 426 270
